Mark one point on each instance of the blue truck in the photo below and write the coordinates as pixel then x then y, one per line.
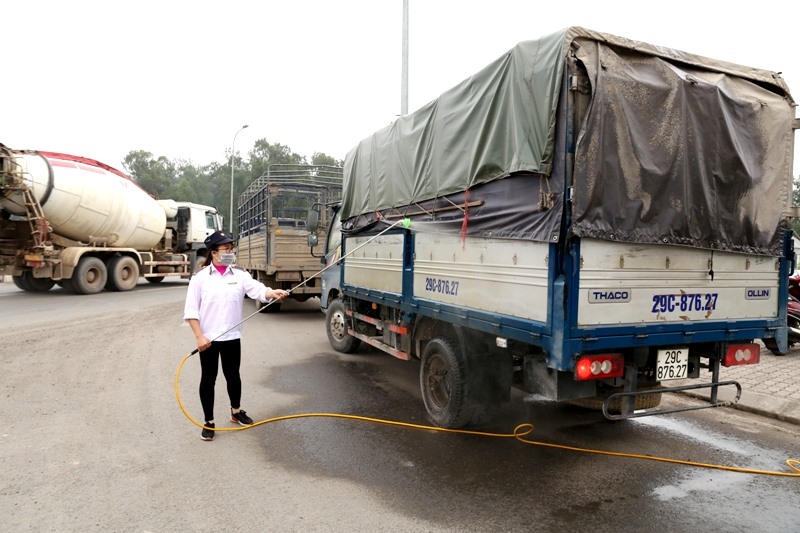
pixel 588 218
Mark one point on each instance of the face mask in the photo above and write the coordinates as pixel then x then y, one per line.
pixel 227 259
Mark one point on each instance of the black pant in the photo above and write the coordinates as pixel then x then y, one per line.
pixel 230 353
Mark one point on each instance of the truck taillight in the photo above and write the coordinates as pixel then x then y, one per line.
pixel 34 260
pixel 600 366
pixel 742 354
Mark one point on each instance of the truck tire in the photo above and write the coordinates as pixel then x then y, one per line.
pixel 37 284
pixel 442 379
pixel 28 283
pixel 196 261
pixel 155 280
pixel 772 346
pixel 90 276
pixel 123 273
pixel 66 286
pixel 21 283
pixel 336 327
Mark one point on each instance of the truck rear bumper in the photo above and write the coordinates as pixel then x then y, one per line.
pixel 627 410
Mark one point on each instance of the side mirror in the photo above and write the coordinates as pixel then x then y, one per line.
pixel 313 220
pixel 312 240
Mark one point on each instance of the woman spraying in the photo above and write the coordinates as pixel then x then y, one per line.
pixel 214 312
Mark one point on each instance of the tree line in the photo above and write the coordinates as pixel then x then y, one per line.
pixel 210 184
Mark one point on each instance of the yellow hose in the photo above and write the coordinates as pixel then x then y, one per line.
pixel 519 433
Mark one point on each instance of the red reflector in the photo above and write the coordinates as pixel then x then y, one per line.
pixel 742 354
pixel 602 366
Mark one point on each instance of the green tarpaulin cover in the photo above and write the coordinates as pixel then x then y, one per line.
pixel 669 147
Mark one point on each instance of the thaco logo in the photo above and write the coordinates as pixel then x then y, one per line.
pixel 604 296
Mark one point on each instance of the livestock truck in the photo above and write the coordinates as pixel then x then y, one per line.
pixel 272 241
pixel 588 219
pixel 86 226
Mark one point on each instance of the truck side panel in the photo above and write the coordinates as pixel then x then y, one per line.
pixel 279 255
pixel 489 275
pixel 377 264
pixel 649 284
pixel 251 251
pixel 498 276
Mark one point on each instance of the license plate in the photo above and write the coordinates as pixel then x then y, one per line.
pixel 673 363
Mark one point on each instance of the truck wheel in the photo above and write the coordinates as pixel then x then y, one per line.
pixel 89 277
pixel 37 284
pixel 28 283
pixel 66 285
pixel 196 261
pixel 336 326
pixel 772 346
pixel 123 273
pixel 22 283
pixel 155 280
pixel 442 379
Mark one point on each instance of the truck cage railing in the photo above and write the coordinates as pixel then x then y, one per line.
pixel 310 176
pixel 284 195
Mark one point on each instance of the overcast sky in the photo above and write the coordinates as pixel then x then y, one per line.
pixel 179 78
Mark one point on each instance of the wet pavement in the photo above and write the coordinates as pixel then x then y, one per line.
pixel 770 388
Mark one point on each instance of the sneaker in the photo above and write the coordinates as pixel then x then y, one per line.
pixel 241 418
pixel 208 434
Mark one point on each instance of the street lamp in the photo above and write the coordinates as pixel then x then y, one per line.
pixel 233 145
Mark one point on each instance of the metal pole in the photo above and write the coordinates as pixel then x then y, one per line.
pixel 233 145
pixel 404 74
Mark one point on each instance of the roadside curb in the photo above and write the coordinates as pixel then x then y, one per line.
pixel 756 402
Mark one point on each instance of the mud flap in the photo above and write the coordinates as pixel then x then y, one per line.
pixel 489 370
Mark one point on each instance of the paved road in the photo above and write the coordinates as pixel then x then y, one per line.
pixel 93 440
pixel 770 388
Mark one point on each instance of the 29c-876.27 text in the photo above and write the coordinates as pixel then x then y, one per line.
pixel 442 286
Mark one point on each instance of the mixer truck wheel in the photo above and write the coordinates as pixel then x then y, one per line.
pixel 22 283
pixel 37 284
pixel 443 378
pixel 66 285
pixel 28 283
pixel 89 277
pixel 123 273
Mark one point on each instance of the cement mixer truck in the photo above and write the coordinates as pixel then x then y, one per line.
pixel 86 226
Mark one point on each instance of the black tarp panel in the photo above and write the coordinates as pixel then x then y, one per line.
pixel 672 153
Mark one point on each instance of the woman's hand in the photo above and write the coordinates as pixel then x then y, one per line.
pixel 203 343
pixel 276 294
